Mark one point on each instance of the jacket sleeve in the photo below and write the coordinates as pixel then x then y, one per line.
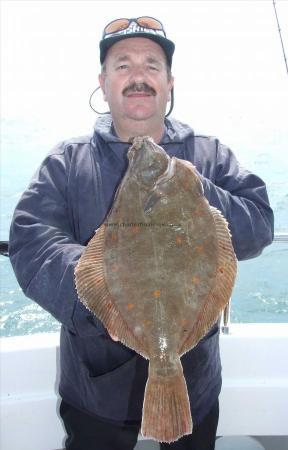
pixel 43 250
pixel 242 198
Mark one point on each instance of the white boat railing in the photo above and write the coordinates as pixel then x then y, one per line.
pixel 281 237
pixel 278 237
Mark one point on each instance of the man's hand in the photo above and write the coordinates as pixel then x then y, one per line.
pixel 113 337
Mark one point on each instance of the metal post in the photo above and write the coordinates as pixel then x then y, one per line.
pixel 226 318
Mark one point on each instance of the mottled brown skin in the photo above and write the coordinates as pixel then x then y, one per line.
pixel 165 268
pixel 153 255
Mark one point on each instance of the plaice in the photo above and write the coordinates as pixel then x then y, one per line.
pixel 158 273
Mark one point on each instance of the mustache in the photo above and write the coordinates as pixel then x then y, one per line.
pixel 139 87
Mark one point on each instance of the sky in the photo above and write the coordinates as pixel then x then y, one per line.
pixel 230 76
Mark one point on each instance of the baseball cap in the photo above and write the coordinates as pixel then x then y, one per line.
pixel 145 26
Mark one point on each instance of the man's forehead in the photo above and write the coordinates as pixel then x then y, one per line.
pixel 130 46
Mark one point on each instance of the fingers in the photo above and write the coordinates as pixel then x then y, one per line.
pixel 114 338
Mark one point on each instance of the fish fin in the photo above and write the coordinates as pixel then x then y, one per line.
pixel 220 295
pixel 166 409
pixel 94 294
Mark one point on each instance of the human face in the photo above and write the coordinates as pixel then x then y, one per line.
pixel 135 82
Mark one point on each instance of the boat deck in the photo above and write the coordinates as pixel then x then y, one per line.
pixel 235 443
pixel 253 401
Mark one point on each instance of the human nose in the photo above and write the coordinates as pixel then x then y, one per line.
pixel 137 74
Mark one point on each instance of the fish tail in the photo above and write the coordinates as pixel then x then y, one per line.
pixel 166 410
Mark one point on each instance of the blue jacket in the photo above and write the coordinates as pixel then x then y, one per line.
pixel 65 203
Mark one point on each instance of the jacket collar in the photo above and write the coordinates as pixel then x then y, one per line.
pixel 175 131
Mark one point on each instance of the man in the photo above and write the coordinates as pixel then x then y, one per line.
pixel 102 382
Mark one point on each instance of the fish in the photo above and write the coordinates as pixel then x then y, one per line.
pixel 158 272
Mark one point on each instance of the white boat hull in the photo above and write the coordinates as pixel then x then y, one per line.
pixel 253 401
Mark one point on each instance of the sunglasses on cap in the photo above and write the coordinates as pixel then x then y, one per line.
pixel 145 22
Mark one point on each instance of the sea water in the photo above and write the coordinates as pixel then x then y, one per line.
pixel 261 290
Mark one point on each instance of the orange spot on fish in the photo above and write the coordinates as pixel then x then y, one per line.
pixel 186 185
pixel 195 280
pixel 130 306
pixel 114 267
pixel 199 212
pixel 221 269
pixel 184 322
pixel 199 248
pixel 109 305
pixel 157 293
pixel 135 229
pixel 179 240
pixel 146 323
pixel 114 237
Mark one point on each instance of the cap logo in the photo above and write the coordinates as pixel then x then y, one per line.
pixel 135 28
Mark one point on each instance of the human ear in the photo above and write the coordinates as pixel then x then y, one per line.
pixel 101 79
pixel 171 85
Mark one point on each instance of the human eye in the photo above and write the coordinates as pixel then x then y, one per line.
pixel 153 66
pixel 122 67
